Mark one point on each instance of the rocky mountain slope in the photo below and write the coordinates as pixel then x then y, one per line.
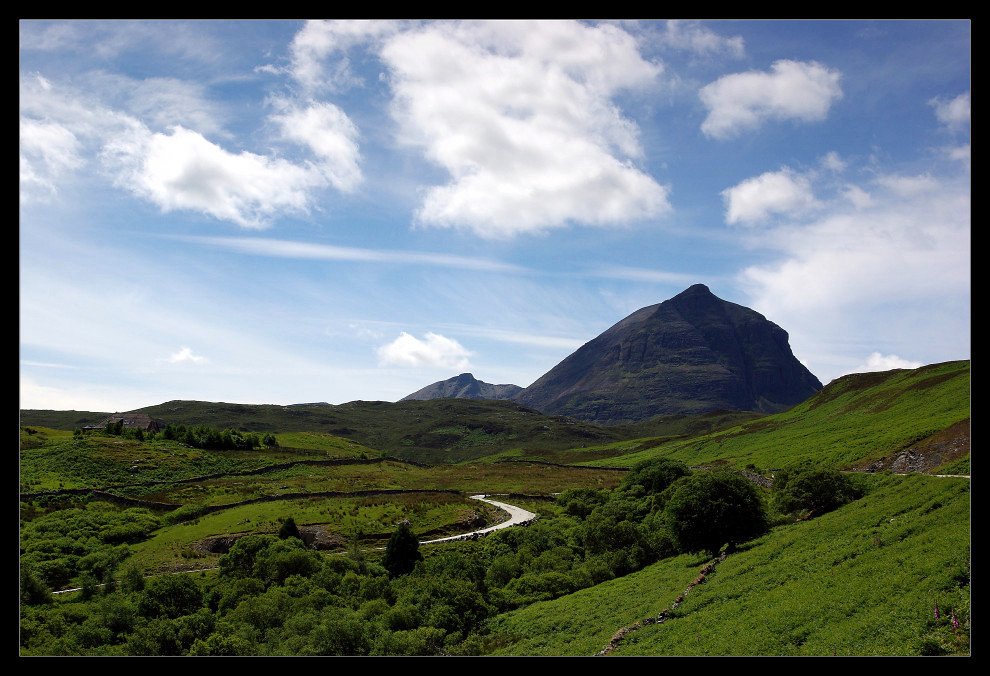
pixel 690 354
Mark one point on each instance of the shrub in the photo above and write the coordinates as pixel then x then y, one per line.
pixel 709 509
pixel 815 491
pixel 580 502
pixel 184 513
pixel 170 596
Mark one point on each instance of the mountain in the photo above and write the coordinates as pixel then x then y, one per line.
pixel 464 386
pixel 690 354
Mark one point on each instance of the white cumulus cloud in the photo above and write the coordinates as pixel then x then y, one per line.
pixel 313 46
pixel 180 168
pixel 775 192
pixel 889 267
pixel 329 134
pixel 433 350
pixel 886 362
pixel 186 354
pixel 793 90
pixel 184 170
pixel 520 115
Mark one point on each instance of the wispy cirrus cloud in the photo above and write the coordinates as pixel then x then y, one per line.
pixel 693 37
pixel 260 246
pixel 47 150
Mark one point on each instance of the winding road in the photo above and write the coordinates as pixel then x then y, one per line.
pixel 517 516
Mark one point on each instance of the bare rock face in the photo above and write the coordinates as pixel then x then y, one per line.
pixel 320 537
pixel 690 354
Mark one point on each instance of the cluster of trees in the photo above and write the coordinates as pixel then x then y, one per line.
pixel 274 596
pixel 200 436
pixel 85 545
pixel 210 438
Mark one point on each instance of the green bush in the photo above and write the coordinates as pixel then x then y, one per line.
pixel 170 596
pixel 811 490
pixel 710 509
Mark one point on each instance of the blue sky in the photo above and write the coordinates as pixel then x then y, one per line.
pixel 286 212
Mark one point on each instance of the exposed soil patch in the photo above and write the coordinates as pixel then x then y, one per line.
pixel 924 456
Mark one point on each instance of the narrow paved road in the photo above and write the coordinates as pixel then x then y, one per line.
pixel 517 515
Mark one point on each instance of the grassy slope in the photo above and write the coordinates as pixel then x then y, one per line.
pixel 854 419
pixel 862 580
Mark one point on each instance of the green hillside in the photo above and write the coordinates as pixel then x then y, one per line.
pixel 862 580
pixel 434 431
pixel 856 421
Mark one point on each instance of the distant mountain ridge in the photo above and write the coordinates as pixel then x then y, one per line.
pixel 692 353
pixel 464 386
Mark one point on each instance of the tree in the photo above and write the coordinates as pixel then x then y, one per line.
pixel 402 551
pixel 289 530
pixel 710 509
pixel 655 475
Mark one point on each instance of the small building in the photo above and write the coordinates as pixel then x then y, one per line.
pixel 132 421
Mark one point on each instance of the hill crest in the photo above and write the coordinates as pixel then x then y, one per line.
pixel 464 386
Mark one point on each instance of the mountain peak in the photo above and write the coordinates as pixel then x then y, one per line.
pixel 692 353
pixel 464 386
pixel 695 289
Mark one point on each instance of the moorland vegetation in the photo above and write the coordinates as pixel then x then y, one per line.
pixel 313 545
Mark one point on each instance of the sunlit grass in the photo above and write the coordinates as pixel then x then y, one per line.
pixel 862 580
